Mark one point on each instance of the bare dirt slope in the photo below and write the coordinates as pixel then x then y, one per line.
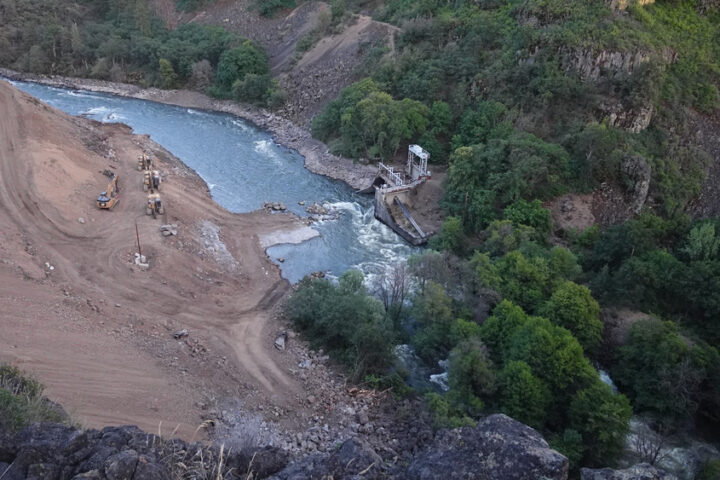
pixel 95 328
pixel 313 79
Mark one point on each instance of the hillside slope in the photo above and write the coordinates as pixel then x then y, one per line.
pixel 94 327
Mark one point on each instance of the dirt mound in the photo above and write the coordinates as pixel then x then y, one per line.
pixel 96 328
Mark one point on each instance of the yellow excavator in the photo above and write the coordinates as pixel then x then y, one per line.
pixel 155 206
pixel 144 162
pixel 151 180
pixel 111 196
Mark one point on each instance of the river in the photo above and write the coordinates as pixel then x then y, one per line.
pixel 244 168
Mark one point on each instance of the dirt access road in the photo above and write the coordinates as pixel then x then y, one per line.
pixel 97 329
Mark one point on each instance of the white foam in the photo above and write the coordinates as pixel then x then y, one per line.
pixel 77 94
pixel 267 150
pixel 96 111
pixel 240 124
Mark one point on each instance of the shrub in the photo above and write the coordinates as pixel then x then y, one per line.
pixel 21 401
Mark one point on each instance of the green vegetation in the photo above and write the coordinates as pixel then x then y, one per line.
pixel 518 104
pixel 21 401
pixel 344 320
pixel 126 42
pixel 268 8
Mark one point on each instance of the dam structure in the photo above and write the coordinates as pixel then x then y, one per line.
pixel 396 191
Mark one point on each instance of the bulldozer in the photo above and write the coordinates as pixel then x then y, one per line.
pixel 109 197
pixel 155 206
pixel 151 180
pixel 144 162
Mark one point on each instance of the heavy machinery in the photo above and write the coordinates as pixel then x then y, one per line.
pixel 111 196
pixel 144 162
pixel 154 205
pixel 151 180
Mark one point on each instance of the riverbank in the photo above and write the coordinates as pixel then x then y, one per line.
pixel 317 157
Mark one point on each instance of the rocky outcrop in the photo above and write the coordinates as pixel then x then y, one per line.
pixel 632 119
pixel 591 64
pixel 636 173
pixel 499 447
pixel 53 451
pixel 642 471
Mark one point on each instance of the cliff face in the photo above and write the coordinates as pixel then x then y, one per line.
pixel 498 447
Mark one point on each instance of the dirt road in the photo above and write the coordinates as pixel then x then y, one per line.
pixel 97 329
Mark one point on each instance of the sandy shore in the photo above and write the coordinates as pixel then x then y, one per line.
pixel 317 157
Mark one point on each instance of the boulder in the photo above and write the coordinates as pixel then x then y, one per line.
pixel 355 457
pixel 148 470
pixel 121 466
pixel 499 447
pixel 641 471
pixel 261 461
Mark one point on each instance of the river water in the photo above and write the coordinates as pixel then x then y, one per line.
pixel 244 168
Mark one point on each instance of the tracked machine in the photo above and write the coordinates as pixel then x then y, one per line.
pixel 154 205
pixel 151 180
pixel 111 196
pixel 144 162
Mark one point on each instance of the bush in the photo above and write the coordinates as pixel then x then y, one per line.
pixel 345 320
pixel 21 401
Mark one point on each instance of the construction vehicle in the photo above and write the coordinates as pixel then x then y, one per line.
pixel 155 206
pixel 111 196
pixel 144 162
pixel 151 180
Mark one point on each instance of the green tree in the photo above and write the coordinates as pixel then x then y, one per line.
pixel 433 311
pixel 662 373
pixel 471 375
pixel 602 418
pixel 345 320
pixel 236 63
pixel 531 214
pixel 573 307
pixel 450 236
pixel 167 73
pixel 522 395
pixel 702 242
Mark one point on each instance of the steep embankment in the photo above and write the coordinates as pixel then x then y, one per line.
pixel 314 77
pixel 94 327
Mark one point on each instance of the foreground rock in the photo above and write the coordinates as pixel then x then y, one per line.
pixel 642 471
pixel 53 451
pixel 499 447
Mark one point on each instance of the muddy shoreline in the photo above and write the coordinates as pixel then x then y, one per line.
pixel 317 157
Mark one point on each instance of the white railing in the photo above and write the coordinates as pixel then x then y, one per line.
pixel 392 176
